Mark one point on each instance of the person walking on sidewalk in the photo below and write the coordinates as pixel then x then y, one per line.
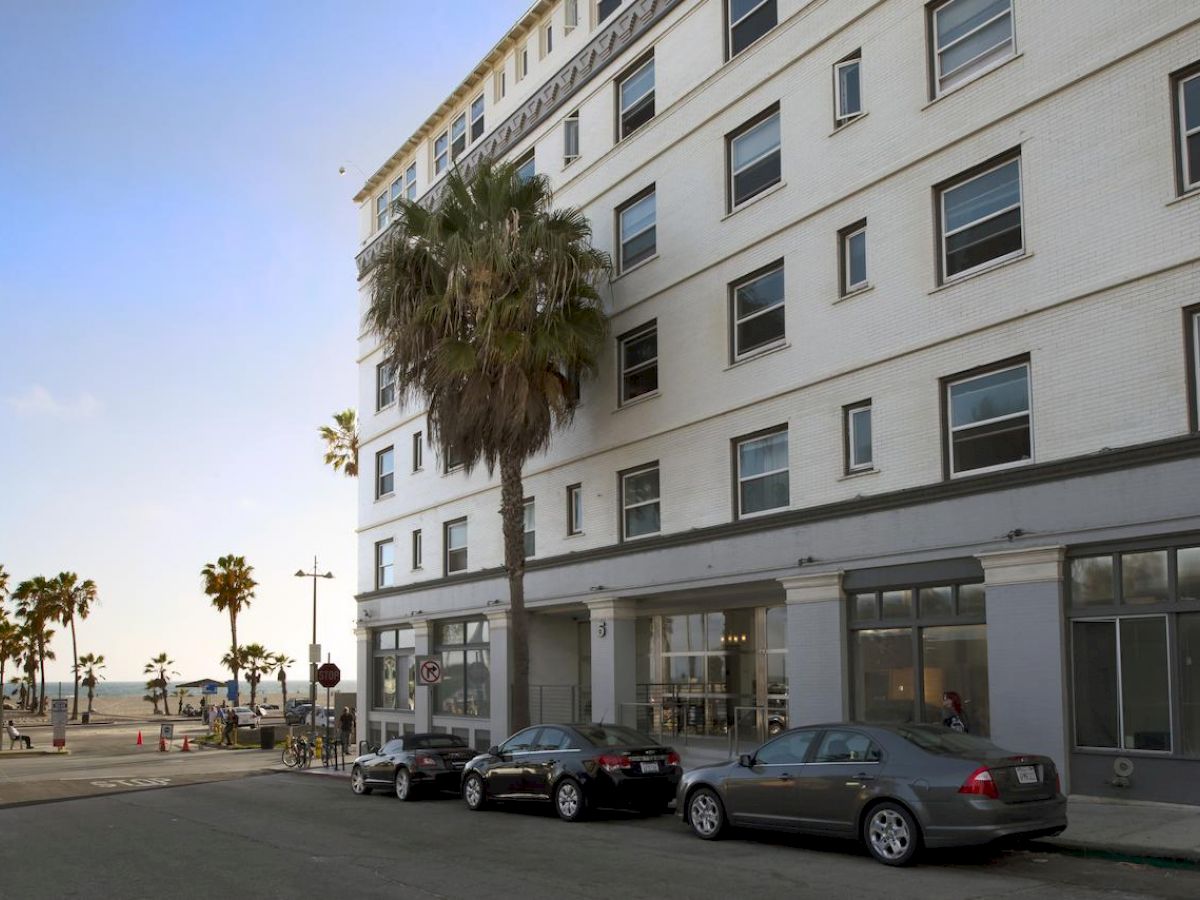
pixel 231 724
pixel 345 726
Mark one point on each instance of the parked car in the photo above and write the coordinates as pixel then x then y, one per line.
pixel 294 715
pixel 246 717
pixel 410 764
pixel 302 715
pixel 578 768
pixel 269 709
pixel 896 788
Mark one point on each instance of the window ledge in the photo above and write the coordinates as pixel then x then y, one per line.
pixel 983 271
pixel 1189 194
pixel 418 469
pixel 417 569
pixel 858 291
pixel 385 408
pixel 950 92
pixel 761 195
pixel 759 354
pixel 653 395
pixel 567 163
pixel 575 534
pixel 387 496
pixel 840 128
pixel 635 267
pixel 859 474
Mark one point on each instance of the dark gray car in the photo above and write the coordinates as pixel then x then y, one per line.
pixel 895 787
pixel 409 764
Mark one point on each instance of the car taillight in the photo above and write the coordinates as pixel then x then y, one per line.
pixel 610 762
pixel 673 758
pixel 980 783
pixel 429 762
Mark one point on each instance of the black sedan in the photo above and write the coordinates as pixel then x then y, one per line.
pixel 578 767
pixel 409 764
pixel 894 787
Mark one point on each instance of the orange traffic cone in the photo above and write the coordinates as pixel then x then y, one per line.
pixel 162 745
pixel 185 748
pixel 139 740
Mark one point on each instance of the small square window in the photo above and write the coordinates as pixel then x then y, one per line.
pixel 762 473
pixel 989 421
pixel 969 37
pixel 980 218
pixel 575 509
pixel 847 90
pixel 385 385
pixel 416 548
pixel 456 546
pixel 754 158
pixel 1187 127
pixel 640 511
pixel 637 232
pixel 758 312
pixel 385 472
pixel 748 20
pixel 385 552
pixel 441 146
pixel 859 457
pixel 635 98
pixel 530 529
pixel 853 255
pixel 418 451
pixel 637 353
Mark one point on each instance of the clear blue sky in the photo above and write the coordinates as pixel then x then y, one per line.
pixel 177 296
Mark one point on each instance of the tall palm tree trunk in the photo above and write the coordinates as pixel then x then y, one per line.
pixel 283 687
pixel 75 669
pixel 42 674
pixel 233 650
pixel 512 515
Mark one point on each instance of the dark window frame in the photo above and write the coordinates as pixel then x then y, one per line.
pixel 379 545
pixel 379 473
pixel 848 438
pixel 640 331
pixel 944 384
pixel 647 58
pixel 942 187
pixel 731 202
pixel 381 385
pixel 1178 77
pixel 418 451
pixel 526 505
pixel 475 133
pixel 736 471
pixel 729 27
pixel 1191 339
pixel 417 549
pixel 621 266
pixel 931 57
pixel 621 476
pixel 845 289
pixel 446 549
pixel 573 491
pixel 568 119
pixel 525 159
pixel 736 355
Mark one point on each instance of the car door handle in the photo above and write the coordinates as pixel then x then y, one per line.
pixel 862 776
pixel 785 777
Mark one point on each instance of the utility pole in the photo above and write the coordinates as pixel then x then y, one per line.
pixel 312 650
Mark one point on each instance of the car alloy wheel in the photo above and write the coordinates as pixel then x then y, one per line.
pixel 568 800
pixel 403 784
pixel 705 814
pixel 473 792
pixel 358 781
pixel 892 835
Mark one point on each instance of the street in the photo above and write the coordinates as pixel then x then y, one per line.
pixel 288 834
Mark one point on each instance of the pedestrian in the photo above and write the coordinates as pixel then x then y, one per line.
pixel 231 724
pixel 952 712
pixel 346 725
pixel 15 737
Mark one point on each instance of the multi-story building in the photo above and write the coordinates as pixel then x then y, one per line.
pixel 899 411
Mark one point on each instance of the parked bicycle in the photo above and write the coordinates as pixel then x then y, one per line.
pixel 297 752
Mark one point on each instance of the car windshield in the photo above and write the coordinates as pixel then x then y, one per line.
pixel 613 736
pixel 436 741
pixel 938 739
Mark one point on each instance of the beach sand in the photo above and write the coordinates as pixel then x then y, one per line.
pixel 130 707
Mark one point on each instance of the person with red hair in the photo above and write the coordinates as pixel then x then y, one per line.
pixel 952 711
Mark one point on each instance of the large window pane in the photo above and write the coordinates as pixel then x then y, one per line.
pixel 990 396
pixel 1188 573
pixel 989 420
pixel 981 218
pixel 683 633
pixel 897 604
pixel 955 677
pixel 936 602
pixel 1189 682
pixel 1144 689
pixel 1092 581
pixel 1094 653
pixel 863 608
pixel 777 628
pixel 1144 577
pixel 884 689
pixel 754 158
pixel 479 682
pixel 385 682
pixel 449 697
pixel 971 601
pixel 749 20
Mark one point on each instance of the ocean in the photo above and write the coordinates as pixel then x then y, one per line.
pixel 267 688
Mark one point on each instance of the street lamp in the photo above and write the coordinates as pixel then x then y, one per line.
pixel 312 679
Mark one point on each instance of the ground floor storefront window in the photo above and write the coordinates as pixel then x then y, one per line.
pixel 1135 649
pixel 393 681
pixel 919 654
pixel 465 649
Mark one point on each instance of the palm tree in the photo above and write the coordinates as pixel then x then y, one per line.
pixel 181 694
pixel 90 665
pixel 281 662
pixel 159 667
pixel 488 307
pixel 341 442
pixel 37 605
pixel 258 660
pixel 3 582
pixel 10 644
pixel 235 660
pixel 231 585
pixel 73 599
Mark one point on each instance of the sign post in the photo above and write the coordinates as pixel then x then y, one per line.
pixel 429 670
pixel 58 718
pixel 328 676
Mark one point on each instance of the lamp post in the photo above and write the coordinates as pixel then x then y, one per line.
pixel 312 675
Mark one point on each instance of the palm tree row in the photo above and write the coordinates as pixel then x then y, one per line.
pixel 256 661
pixel 40 602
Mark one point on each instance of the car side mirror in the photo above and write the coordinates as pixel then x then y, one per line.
pixel 372 749
pixel 746 761
pixel 493 751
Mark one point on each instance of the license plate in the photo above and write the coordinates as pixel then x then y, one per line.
pixel 649 767
pixel 1027 774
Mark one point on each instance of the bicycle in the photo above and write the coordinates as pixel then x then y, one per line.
pixel 297 753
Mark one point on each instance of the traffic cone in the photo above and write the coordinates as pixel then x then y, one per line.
pixel 185 748
pixel 162 745
pixel 139 740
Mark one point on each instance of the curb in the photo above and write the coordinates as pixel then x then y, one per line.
pixel 1133 853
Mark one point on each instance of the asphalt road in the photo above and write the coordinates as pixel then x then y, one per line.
pixel 291 835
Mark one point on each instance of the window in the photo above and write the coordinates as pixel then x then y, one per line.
pixel 397 191
pixel 762 473
pixel 385 385
pixel 410 182
pixel 635 98
pixel 637 352
pixel 757 311
pixel 640 514
pixel 1191 318
pixel 465 651
pixel 637 235
pixel 571 14
pixel 1187 126
pixel 385 557
pixel 525 167
pixel 418 451
pixel 499 85
pixel 477 118
pixel 786 750
pixel 919 654
pixel 385 472
pixel 989 420
pixel 575 509
pixel 522 62
pixel 458 136
pixel 981 219
pixel 394 682
pixel 846 747
pixel 847 89
pixel 381 211
pixel 416 548
pixel 571 138
pixel 748 21
pixel 858 437
pixel 546 44
pixel 530 530
pixel 605 8
pixel 969 38
pixel 454 459
pixel 456 546
pixel 440 145
pixel 754 158
pixel 852 242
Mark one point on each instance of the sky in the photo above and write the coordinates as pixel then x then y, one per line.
pixel 178 306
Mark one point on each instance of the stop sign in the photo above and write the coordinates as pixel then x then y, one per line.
pixel 329 675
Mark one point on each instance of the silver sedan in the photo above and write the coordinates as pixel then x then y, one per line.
pixel 896 788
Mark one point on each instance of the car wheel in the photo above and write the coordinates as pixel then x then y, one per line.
pixel 473 792
pixel 358 781
pixel 891 834
pixel 569 801
pixel 404 788
pixel 706 814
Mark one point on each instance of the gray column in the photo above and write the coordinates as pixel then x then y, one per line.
pixel 498 631
pixel 423 702
pixel 614 659
pixel 363 650
pixel 816 649
pixel 1026 638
